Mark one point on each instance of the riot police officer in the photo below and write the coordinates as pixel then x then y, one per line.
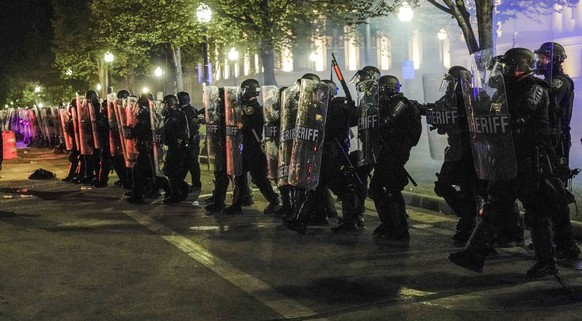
pixel 528 101
pixel 336 171
pixel 117 159
pixel 551 55
pixel 192 164
pixel 142 134
pixel 457 168
pixel 104 153
pixel 74 154
pixel 253 157
pixel 176 137
pixel 88 160
pixel 216 139
pixel 399 129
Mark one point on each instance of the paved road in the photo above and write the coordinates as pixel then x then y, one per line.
pixel 71 252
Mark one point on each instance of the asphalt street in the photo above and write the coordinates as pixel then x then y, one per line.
pixel 74 252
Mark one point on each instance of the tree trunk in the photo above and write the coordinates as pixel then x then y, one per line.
pixel 177 55
pixel 462 16
pixel 485 23
pixel 267 54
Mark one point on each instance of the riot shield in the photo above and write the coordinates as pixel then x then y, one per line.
pixel 85 130
pixel 65 118
pixel 271 112
pixel 156 124
pixel 309 133
pixel 114 134
pixel 214 127
pixel 444 135
pixel 489 126
pixel 127 120
pixel 289 101
pixel 93 118
pixel 368 108
pixel 234 138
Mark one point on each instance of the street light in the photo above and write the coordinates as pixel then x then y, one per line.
pixel 109 57
pixel 233 57
pixel 204 14
pixel 37 92
pixel 159 73
pixel 442 34
pixel 405 13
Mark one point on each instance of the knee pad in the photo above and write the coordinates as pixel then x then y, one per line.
pixel 487 212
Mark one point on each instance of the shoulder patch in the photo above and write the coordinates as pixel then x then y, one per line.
pixel 248 110
pixel 557 83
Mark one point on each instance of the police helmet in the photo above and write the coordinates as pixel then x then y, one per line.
pixel 170 101
pixel 364 76
pixel 123 94
pixel 552 50
pixel 183 98
pixel 519 60
pixel 389 85
pixel 311 76
pixel 92 96
pixel 148 96
pixel 250 88
pixel 332 88
pixel 453 77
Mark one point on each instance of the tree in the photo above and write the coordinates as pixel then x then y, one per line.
pixel 267 25
pixel 484 16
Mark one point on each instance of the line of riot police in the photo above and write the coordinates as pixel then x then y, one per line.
pixel 499 126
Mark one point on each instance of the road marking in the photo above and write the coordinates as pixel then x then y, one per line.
pixel 258 289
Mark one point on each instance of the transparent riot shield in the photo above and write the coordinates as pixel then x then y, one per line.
pixel 368 108
pixel 85 130
pixel 93 118
pixel 127 120
pixel 444 134
pixel 114 133
pixel 489 126
pixel 289 101
pixel 306 156
pixel 65 118
pixel 214 127
pixel 234 138
pixel 155 125
pixel 271 112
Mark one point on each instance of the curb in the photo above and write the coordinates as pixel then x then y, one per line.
pixel 437 204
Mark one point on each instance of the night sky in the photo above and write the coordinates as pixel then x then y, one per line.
pixel 26 35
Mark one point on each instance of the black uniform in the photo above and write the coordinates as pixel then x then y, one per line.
pixel 400 130
pixel 74 153
pixel 192 164
pixel 104 161
pixel 253 157
pixel 221 180
pixel 534 185
pixel 176 137
pixel 458 170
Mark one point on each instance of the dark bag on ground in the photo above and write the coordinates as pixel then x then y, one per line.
pixel 42 174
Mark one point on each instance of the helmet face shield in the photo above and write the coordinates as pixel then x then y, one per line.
pixel 448 83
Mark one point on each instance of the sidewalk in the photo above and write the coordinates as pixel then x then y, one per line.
pixel 439 205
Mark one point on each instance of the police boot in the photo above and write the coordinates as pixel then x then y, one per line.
pixel 472 257
pixel 235 207
pixel 71 174
pixel 383 210
pixel 299 223
pixel 464 229
pixel 511 228
pixel 542 240
pixel 399 223
pixel 286 202
pixel 349 224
